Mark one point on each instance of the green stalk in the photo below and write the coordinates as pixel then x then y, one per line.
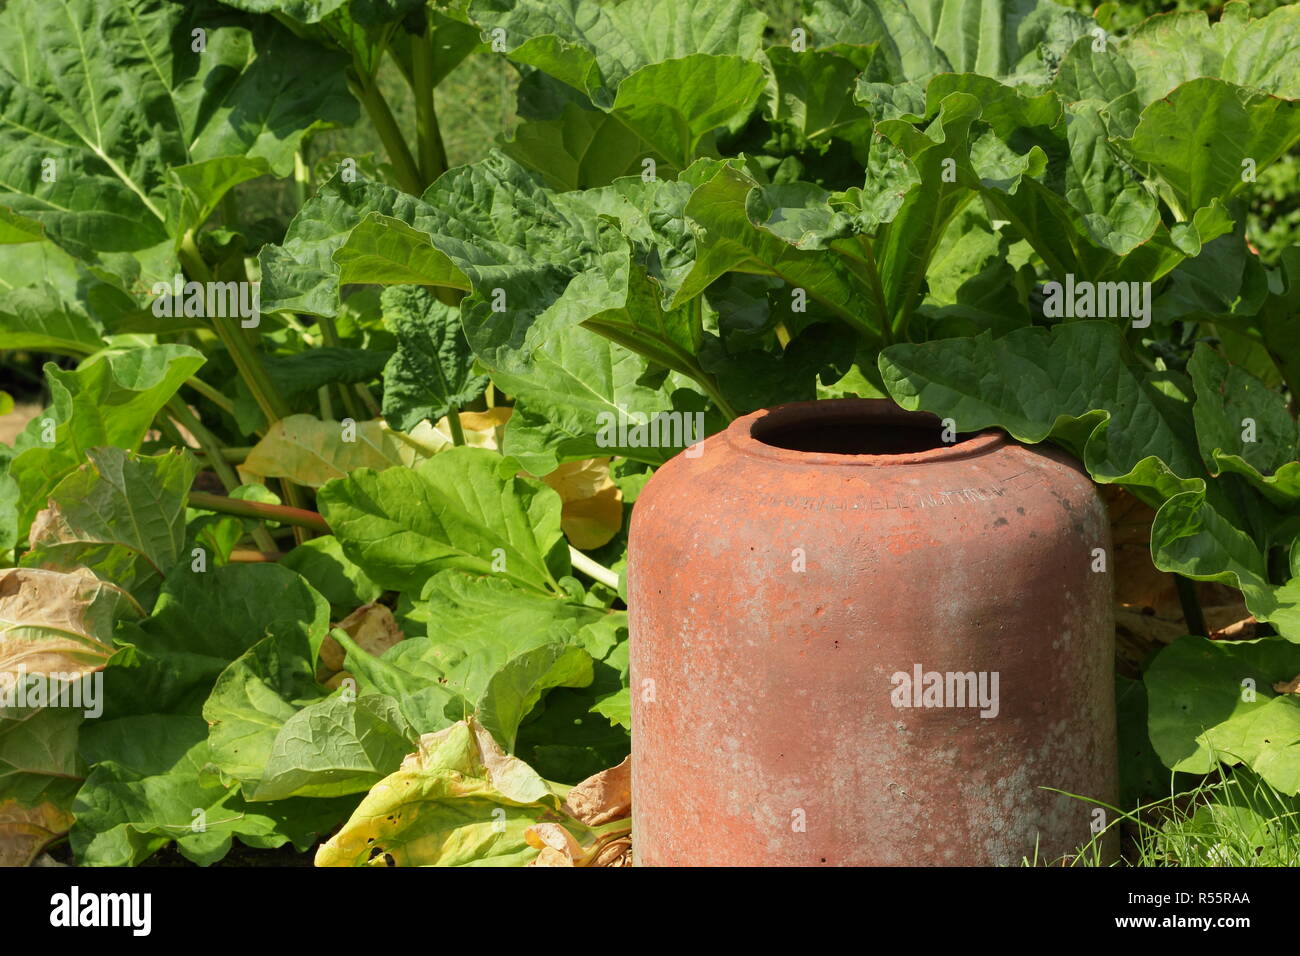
pixel 301 178
pixel 433 153
pixel 453 422
pixel 593 570
pixel 208 442
pixel 326 407
pixel 381 117
pixel 211 394
pixel 330 335
pixel 216 460
pixel 293 495
pixel 295 517
pixel 457 434
pixel 229 214
pixel 427 450
pixel 1192 614
pixel 877 287
pixel 368 400
pixel 670 355
pixel 232 337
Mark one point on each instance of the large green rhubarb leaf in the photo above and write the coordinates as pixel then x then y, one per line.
pixel 1076 384
pixel 492 649
pixel 432 372
pixel 593 47
pixel 578 390
pixel 148 788
pixel 334 747
pixel 1193 538
pixel 1244 427
pixel 917 38
pixel 464 508
pixel 121 515
pixel 117 104
pixel 1213 701
pixel 202 622
pixel 110 400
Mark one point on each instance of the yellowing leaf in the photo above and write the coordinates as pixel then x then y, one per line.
pixel 482 429
pixel 458 800
pixel 593 504
pixel 310 451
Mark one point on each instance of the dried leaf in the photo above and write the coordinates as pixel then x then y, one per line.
pixel 372 626
pixel 1242 630
pixel 603 797
pixel 1138 582
pixel 25 831
pixel 1291 686
pixel 558 846
pixel 615 853
pixel 552 857
pixel 336 680
pixel 57 622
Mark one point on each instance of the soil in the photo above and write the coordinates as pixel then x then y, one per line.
pixel 16 421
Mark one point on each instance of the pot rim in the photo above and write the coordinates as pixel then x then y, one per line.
pixel 882 411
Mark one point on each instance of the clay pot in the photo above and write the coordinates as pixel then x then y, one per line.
pixel 787 587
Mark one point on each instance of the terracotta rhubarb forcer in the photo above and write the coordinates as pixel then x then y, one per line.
pixel 782 582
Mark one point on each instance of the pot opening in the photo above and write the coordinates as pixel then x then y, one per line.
pixel 855 438
pixel 858 431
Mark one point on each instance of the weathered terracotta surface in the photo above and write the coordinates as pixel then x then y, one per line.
pixel 765 729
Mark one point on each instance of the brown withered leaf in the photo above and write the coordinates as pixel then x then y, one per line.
pixel 603 797
pixel 336 681
pixel 615 853
pixel 1138 582
pixel 372 626
pixel 1230 617
pixel 558 846
pixel 1242 630
pixel 1291 686
pixel 57 622
pixel 43 525
pixel 25 831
